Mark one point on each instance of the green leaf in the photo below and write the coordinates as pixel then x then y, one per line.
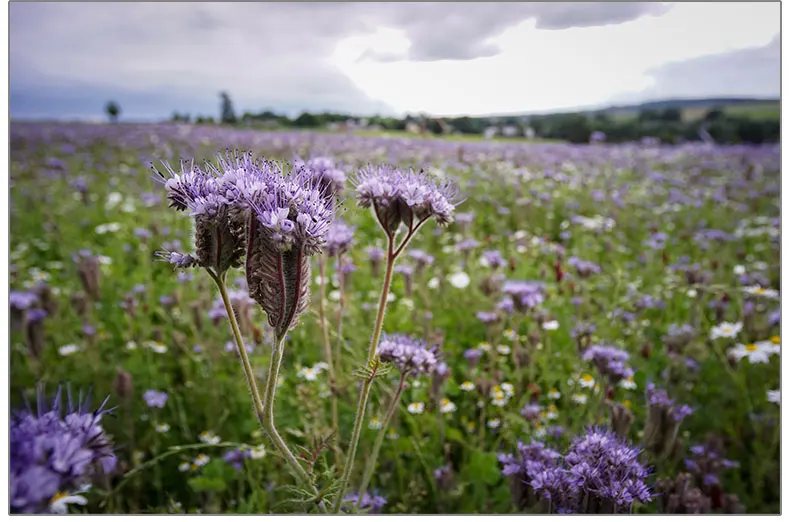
pixel 207 484
pixel 483 467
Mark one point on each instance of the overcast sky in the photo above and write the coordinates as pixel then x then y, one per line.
pixel 67 60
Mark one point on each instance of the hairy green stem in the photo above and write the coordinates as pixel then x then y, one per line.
pixel 368 383
pixel 264 408
pixel 371 465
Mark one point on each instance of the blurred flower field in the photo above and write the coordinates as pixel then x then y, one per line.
pixel 582 328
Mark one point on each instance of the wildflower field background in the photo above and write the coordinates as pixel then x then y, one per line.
pixel 625 296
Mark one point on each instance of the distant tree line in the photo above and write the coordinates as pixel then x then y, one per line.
pixel 665 124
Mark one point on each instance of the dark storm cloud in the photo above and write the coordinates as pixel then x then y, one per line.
pixel 266 55
pixel 751 72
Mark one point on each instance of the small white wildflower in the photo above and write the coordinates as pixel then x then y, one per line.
pixel 493 423
pixel 375 423
pixel 691 293
pixel 725 330
pixel 759 291
pixel 503 349
pixel 208 437
pixel 334 295
pixel 510 335
pixel 108 227
pixel 579 398
pixel 307 374
pixel 113 199
pixel 162 428
pixel 59 504
pixel 201 460
pixel 184 466
pixel 739 270
pixel 554 394
pixel 257 452
pixel 433 283
pixel 628 383
pixel 131 345
pixel 68 349
pixel 550 325
pixel 460 280
pixel 416 408
pixel 468 386
pixel 447 406
pixel 755 353
pixel 774 396
pixel 408 303
pixel 586 381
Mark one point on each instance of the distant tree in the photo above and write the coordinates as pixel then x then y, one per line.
pixel 648 115
pixel 715 113
pixel 306 120
pixel 113 111
pixel 671 114
pixel 227 115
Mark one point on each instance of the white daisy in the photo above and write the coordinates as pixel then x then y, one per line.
pixel 184 466
pixel 586 381
pixel 334 295
pixel 459 280
pixel 201 460
pixel 510 335
pixel 628 383
pixel 433 283
pixel 447 406
pixel 773 396
pixel 739 270
pixel 375 423
pixel 59 504
pixel 68 349
pixel 162 428
pixel 257 452
pixel 503 349
pixel 493 423
pixel 579 398
pixel 725 330
pixel 691 293
pixel 759 291
pixel 307 374
pixel 208 437
pixel 467 386
pixel 550 325
pixel 554 394
pixel 416 408
pixel 756 352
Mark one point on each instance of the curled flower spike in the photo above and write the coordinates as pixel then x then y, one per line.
pixel 405 197
pixel 324 173
pixel 219 238
pixel 285 226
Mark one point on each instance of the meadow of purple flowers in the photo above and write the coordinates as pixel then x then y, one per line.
pixel 446 327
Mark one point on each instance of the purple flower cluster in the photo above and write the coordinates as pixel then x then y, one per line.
pixel 525 295
pixel 494 259
pixel 372 504
pixel 236 457
pixel 408 354
pixel 600 474
pixel 155 399
pixel 583 268
pixel 338 238
pixel 407 197
pixel 678 337
pixel 324 173
pixel 657 397
pixel 610 361
pixel 22 300
pixel 52 453
pixel 421 259
pixel 529 460
pixel 706 464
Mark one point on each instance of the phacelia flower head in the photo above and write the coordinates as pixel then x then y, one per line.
pixel 408 354
pixel 664 418
pixel 493 259
pixel 372 504
pixel 288 222
pixel 325 173
pixel 601 474
pixel 526 295
pixel 583 268
pixel 421 259
pixel 525 465
pixel 408 197
pixel 610 361
pixel 219 236
pixel 55 452
pixel 339 237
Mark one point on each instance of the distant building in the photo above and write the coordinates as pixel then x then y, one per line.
pixel 529 133
pixel 413 128
pixel 490 132
pixel 510 131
